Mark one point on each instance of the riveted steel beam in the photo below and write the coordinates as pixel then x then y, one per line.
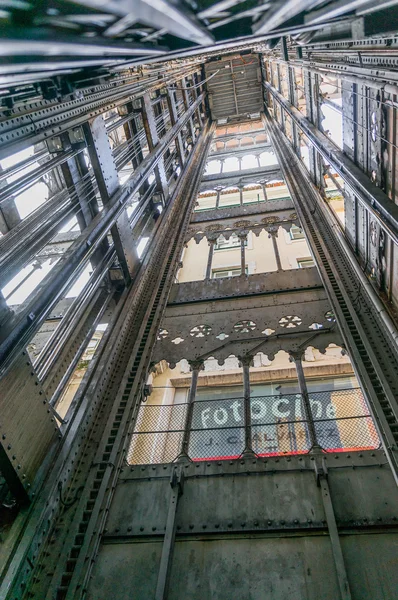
pixel 373 198
pixel 368 333
pixel 21 328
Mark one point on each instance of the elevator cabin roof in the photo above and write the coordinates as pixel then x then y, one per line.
pixel 235 86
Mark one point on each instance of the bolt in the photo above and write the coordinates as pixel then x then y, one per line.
pixel 217 525
pixel 282 522
pixel 243 524
pixel 229 524
pixel 191 527
pixel 153 528
pixel 296 521
pixel 141 528
pixel 270 522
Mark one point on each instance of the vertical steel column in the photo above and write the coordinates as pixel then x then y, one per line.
pixel 171 102
pixel 153 140
pixel 245 362
pixel 273 234
pixel 196 366
pixel 297 358
pixel 264 186
pixel 211 242
pixel 108 182
pixel 185 96
pixel 9 215
pixel 81 190
pixel 177 486
pixel 322 482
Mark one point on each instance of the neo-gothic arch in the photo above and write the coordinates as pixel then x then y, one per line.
pixel 213 167
pixel 231 164
pixel 249 161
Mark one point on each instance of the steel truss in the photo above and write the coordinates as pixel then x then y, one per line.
pixel 370 343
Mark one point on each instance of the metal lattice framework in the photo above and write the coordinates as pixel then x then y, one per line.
pixel 279 428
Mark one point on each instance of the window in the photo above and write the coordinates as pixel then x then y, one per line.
pixel 223 244
pixel 220 273
pixel 296 233
pixel 304 263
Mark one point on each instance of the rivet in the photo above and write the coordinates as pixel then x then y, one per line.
pixel 255 523
pixel 204 526
pixel 217 525
pixel 282 522
pixel 269 522
pixel 129 528
pixel 229 524
pixel 191 527
pixel 153 528
pixel 296 521
pixel 243 524
pixel 141 528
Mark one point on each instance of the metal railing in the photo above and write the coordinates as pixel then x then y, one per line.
pixel 278 427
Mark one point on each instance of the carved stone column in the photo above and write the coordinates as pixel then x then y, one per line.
pixel 243 240
pixel 273 234
pixel 211 242
pixel 240 194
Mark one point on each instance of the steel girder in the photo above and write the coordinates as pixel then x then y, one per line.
pixel 266 221
pixel 22 127
pixel 203 218
pixel 243 177
pixel 368 333
pixel 246 315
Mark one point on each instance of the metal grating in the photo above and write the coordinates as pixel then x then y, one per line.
pixel 342 423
